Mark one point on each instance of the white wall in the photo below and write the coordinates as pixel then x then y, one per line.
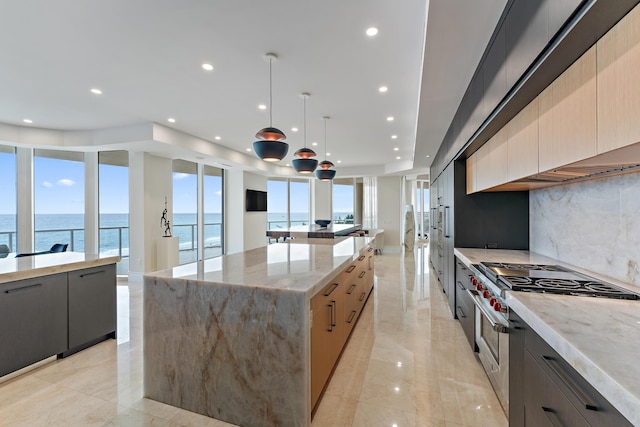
pixel 594 225
pixel 321 199
pixel 255 223
pixel 150 181
pixel 243 230
pixel 390 211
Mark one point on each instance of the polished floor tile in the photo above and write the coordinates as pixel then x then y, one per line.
pixel 407 363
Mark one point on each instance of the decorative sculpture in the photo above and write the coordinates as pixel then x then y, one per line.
pixel 164 221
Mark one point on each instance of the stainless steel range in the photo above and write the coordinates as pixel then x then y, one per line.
pixel 492 324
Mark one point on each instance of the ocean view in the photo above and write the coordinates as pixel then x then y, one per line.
pixel 114 230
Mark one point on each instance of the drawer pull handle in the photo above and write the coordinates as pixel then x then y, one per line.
pixel 460 313
pixel 351 268
pixel 362 296
pixel 362 274
pixel 353 314
pixel 92 273
pixel 571 385
pixel 552 417
pixel 369 250
pixel 333 319
pixel 361 257
pixel 353 286
pixel 461 286
pixel 330 317
pixel 24 288
pixel 334 286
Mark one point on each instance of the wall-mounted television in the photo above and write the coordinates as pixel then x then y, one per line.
pixel 256 201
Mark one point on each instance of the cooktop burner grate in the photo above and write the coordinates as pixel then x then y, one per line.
pixel 568 287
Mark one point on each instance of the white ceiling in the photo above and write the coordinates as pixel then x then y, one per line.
pixel 146 56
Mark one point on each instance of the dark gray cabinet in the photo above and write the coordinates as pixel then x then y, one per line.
pixel 465 309
pixel 494 72
pixel 92 305
pixel 544 390
pixel 33 321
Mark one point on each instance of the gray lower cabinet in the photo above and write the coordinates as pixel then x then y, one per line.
pixel 92 305
pixel 465 309
pixel 544 390
pixel 33 321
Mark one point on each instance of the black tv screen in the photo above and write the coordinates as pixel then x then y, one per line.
pixel 256 201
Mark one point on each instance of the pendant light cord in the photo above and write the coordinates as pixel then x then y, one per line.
pixel 270 95
pixel 304 119
pixel 325 138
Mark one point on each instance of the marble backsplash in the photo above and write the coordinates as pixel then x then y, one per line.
pixel 593 224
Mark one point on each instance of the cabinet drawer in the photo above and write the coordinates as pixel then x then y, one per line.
pixel 92 304
pixel 33 315
pixel 583 396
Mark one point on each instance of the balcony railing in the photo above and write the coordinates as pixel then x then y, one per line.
pixel 117 238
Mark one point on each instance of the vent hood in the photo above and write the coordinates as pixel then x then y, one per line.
pixel 615 162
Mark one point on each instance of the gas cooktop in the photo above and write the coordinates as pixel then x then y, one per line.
pixel 552 279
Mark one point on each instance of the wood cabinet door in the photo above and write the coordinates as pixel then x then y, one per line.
pixel 567 115
pixel 321 363
pixel 618 82
pixel 471 173
pixel 492 162
pixel 522 143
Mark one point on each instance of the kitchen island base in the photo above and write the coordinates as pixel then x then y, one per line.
pixel 230 338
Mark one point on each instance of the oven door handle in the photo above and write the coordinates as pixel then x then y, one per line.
pixel 495 322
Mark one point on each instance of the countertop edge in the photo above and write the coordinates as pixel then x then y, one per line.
pixel 63 267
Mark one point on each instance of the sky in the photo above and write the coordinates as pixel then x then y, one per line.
pixel 59 189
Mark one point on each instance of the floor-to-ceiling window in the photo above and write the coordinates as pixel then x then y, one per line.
pixel 287 203
pixel 113 193
pixel 343 200
pixel 8 211
pixel 422 209
pixel 185 208
pixel 213 211
pixel 58 181
pixel 298 202
pixel 277 204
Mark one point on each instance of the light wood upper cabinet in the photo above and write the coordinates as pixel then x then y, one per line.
pixel 567 115
pixel 471 173
pixel 522 143
pixel 491 163
pixel 618 82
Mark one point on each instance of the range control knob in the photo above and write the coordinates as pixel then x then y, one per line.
pixel 497 306
pixel 492 301
pixel 479 286
pixel 473 280
pixel 486 293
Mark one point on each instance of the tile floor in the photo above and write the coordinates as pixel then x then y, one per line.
pixel 407 364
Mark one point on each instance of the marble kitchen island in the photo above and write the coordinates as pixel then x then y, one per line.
pixel 230 337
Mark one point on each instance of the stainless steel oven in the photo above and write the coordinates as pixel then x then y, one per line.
pixel 492 339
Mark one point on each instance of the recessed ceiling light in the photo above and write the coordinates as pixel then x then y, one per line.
pixel 294 129
pixel 394 136
pixel 248 149
pixel 171 120
pixel 339 161
pixel 314 143
pixel 390 118
pixel 287 164
pixel 398 158
pixel 395 149
pixel 427 155
pixel 328 154
pixel 383 89
pixel 27 121
pixel 96 91
pixel 217 138
pixel 372 31
pixel 207 67
pixel 262 107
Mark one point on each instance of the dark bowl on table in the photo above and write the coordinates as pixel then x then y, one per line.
pixel 323 222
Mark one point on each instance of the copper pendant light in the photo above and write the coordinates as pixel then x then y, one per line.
pixel 325 173
pixel 304 163
pixel 270 147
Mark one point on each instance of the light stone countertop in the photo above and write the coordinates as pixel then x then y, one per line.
pixel 12 269
pixel 299 265
pixel 599 337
